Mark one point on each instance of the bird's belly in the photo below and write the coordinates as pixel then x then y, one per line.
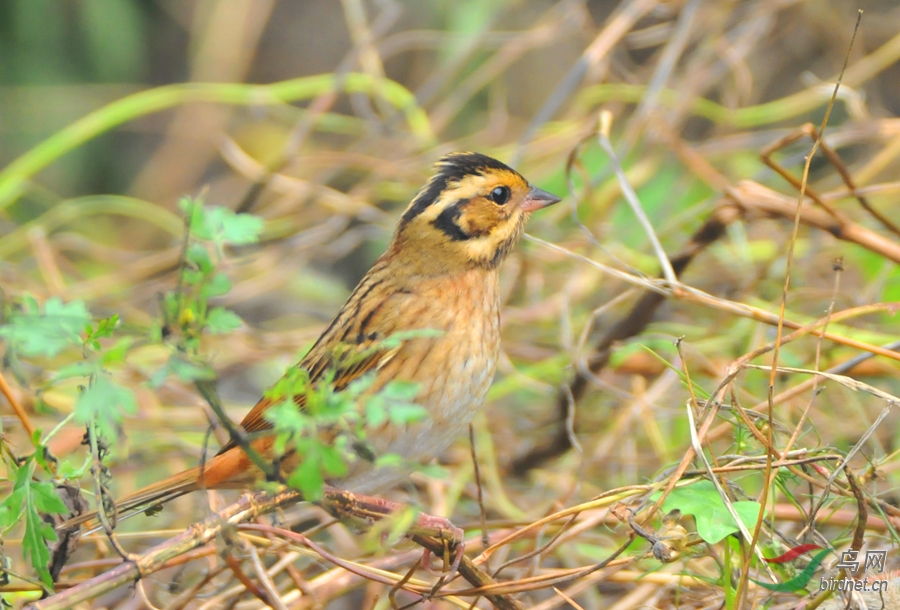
pixel 459 374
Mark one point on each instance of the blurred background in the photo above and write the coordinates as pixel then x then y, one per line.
pixel 324 117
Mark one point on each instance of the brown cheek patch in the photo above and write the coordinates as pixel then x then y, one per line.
pixel 479 217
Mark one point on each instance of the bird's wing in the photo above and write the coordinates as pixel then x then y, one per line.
pixel 346 370
pixel 350 347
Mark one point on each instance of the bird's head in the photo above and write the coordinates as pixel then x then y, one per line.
pixel 470 214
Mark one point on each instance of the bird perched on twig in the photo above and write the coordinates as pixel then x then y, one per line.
pixel 440 273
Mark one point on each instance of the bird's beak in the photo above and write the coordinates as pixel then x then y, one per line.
pixel 537 199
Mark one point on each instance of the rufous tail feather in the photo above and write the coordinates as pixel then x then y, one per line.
pixel 230 469
pixel 157 493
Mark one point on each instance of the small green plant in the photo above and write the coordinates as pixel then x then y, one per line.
pixel 210 231
pixel 67 340
pixel 714 521
pixel 28 500
pixel 329 431
pixel 46 332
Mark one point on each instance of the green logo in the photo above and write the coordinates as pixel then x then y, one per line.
pixel 802 579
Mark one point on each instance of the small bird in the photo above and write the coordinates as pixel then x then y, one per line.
pixel 439 273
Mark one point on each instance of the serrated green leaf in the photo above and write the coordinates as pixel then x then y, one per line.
pixel 198 255
pixel 307 477
pixel 105 327
pixel 279 447
pixel 184 370
pixel 240 229
pixel 193 211
pixel 285 415
pixel 28 499
pixel 221 321
pixel 77 369
pixel 117 352
pixel 170 305
pixel 401 390
pixel 223 226
pixel 216 286
pixel 40 456
pixel 295 382
pixel 393 402
pixel 333 462
pixel 192 277
pixel 11 508
pixel 45 498
pixel 403 414
pixel 434 471
pixel 47 333
pixel 30 305
pixel 104 402
pixel 69 471
pixel 376 412
pixel 389 460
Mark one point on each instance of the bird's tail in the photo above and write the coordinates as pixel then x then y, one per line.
pixel 157 493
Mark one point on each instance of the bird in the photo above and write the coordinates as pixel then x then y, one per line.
pixel 440 276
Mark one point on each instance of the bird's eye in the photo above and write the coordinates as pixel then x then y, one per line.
pixel 500 195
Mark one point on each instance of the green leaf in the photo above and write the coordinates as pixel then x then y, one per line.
pixel 67 470
pixel 376 412
pixel 188 371
pixel 333 461
pixel 404 414
pixel 77 369
pixel 30 304
pixel 389 460
pixel 221 225
pixel 45 498
pixel 117 352
pixel 393 402
pixel 27 500
pixel 105 327
pixel 400 390
pixel 360 385
pixel 198 255
pixel 221 321
pixel 397 339
pixel 238 229
pixel 184 370
pixel 307 476
pixel 714 522
pixel 104 402
pixel 47 333
pixel 288 421
pixel 433 471
pixel 193 211
pixel 217 285
pixel 286 416
pixel 192 277
pixel 170 306
pixel 295 382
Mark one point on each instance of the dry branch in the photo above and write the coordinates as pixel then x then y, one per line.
pixel 250 506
